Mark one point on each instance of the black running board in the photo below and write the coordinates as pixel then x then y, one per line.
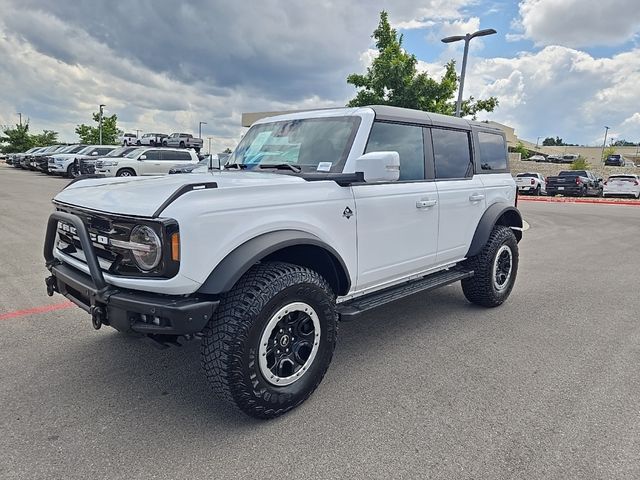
pixel 352 308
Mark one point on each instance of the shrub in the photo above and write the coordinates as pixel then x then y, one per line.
pixel 580 163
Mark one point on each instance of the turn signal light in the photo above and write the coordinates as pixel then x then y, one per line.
pixel 175 247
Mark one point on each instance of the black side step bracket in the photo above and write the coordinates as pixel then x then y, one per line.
pixel 352 308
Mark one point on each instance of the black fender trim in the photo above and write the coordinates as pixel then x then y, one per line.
pixel 225 275
pixel 496 214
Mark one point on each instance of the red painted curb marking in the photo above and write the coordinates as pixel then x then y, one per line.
pixel 577 200
pixel 32 311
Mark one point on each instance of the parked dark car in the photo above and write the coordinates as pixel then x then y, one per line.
pixel 615 161
pixel 577 183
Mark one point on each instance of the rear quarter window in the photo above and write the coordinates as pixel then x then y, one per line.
pixel 493 152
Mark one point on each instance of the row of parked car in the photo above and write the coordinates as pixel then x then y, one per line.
pixel 111 160
pixel 615 160
pixel 177 140
pixel 579 183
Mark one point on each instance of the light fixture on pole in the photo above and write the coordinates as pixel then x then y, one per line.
pixel 467 38
pixel 100 121
pixel 200 128
pixel 604 144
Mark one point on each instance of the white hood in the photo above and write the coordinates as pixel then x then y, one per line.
pixel 142 196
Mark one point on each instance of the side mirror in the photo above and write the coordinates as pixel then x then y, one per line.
pixel 94 153
pixel 142 157
pixel 379 166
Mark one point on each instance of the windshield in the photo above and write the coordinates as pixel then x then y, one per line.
pixel 313 144
pixel 86 150
pixel 527 175
pixel 622 178
pixel 580 173
pixel 614 157
pixel 120 151
pixel 134 153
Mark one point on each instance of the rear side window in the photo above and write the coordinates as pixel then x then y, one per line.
pixel 452 153
pixel 407 140
pixel 103 151
pixel 493 151
pixel 176 156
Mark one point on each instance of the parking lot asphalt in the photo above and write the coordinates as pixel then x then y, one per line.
pixel 545 386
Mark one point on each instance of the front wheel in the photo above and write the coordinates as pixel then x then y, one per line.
pixel 272 339
pixel 126 172
pixel 495 269
pixel 73 171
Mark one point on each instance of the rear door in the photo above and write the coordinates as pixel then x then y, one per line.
pixel 397 222
pixel 461 193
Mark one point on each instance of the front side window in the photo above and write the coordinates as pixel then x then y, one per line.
pixel 452 153
pixel 407 140
pixel 313 144
pixel 493 151
pixel 152 155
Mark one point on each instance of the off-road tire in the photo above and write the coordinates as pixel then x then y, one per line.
pixel 124 171
pixel 231 340
pixel 480 288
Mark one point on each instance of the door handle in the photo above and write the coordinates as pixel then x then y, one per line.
pixel 426 203
pixel 476 197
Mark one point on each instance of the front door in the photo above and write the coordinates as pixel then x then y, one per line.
pixel 152 164
pixel 397 222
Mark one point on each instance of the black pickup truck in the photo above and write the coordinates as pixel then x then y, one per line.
pixel 578 183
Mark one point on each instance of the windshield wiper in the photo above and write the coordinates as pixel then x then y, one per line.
pixel 283 166
pixel 237 166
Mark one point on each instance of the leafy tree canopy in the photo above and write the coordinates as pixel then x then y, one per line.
pixel 90 135
pixel 392 79
pixel 18 139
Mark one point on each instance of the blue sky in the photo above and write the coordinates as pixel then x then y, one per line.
pixel 557 67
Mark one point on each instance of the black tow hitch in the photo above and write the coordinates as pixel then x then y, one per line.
pixel 51 285
pixel 97 317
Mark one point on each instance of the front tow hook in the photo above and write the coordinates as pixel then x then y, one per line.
pixel 97 317
pixel 51 285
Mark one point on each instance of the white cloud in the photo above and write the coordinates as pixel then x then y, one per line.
pixel 561 91
pixel 579 23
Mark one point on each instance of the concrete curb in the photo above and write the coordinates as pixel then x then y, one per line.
pixel 600 201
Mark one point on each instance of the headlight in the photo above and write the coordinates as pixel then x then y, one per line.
pixel 109 163
pixel 146 247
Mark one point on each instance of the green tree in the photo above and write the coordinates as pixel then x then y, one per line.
pixel 16 139
pixel 91 135
pixel 392 79
pixel 44 139
pixel 227 150
pixel 521 149
pixel 551 142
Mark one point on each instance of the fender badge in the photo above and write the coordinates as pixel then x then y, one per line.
pixel 348 213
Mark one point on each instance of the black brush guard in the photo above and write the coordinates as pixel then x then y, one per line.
pixel 123 309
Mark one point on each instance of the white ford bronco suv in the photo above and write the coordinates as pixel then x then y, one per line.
pixel 317 217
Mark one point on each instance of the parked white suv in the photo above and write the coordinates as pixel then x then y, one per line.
pixel 318 217
pixel 145 161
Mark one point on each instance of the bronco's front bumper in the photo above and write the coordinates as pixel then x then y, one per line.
pixel 123 309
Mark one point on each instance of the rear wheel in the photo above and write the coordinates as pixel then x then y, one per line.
pixel 181 144
pixel 495 269
pixel 271 340
pixel 536 192
pixel 125 172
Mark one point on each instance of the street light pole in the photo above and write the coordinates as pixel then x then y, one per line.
pixel 138 133
pixel 100 122
pixel 604 144
pixel 467 38
pixel 537 141
pixel 200 128
pixel 20 116
pixel 209 150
